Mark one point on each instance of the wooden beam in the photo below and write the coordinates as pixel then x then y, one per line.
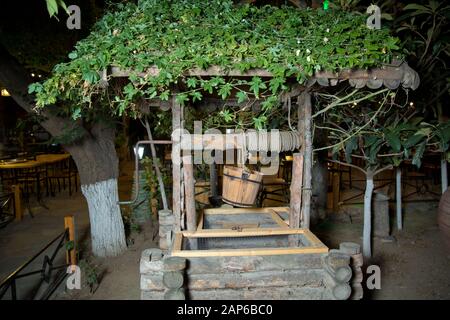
pixel 278 219
pixel 305 99
pixel 336 191
pixel 18 209
pixel 177 242
pixel 315 242
pixel 176 164
pixel 71 255
pixel 222 211
pixel 189 187
pixel 249 252
pixel 246 232
pixel 397 71
pixel 296 191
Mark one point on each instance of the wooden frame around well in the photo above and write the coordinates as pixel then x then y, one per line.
pixel 272 211
pixel 316 247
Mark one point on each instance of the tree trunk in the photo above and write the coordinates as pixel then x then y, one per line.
pixel 94 155
pixel 368 215
pixel 107 230
pixel 98 167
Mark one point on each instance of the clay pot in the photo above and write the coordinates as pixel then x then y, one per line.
pixel 444 215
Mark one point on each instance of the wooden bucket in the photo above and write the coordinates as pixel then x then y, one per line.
pixel 240 186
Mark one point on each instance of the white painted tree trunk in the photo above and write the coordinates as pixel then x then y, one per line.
pixel 367 251
pixel 444 179
pixel 107 229
pixel 398 197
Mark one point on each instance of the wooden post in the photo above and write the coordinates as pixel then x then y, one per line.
pixel 18 210
pixel 398 197
pixel 296 191
pixel 176 165
pixel 189 187
pixel 213 181
pixel 69 223
pixel 336 191
pixel 305 98
pixel 444 177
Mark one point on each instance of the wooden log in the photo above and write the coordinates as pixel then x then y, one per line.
pixel 175 294
pixel 176 165
pixel 342 291
pixel 164 242
pixel 213 180
pixel 71 255
pixel 341 274
pixel 236 280
pixel 350 248
pixel 336 259
pixel 164 230
pixel 152 295
pixel 296 191
pixel 151 261
pixel 173 279
pixel 189 187
pixel 358 275
pixel 165 217
pixel 357 260
pixel 174 264
pixel 153 281
pixel 268 293
pixel 254 263
pixel 308 158
pixel 357 292
pixel 18 209
pixel 336 191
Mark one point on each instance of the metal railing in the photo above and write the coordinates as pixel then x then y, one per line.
pixel 45 272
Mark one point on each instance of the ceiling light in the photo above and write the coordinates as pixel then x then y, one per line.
pixel 5 93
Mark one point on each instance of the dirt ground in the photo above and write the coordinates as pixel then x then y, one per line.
pixel 415 266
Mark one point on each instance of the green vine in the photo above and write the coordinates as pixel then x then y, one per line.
pixel 177 36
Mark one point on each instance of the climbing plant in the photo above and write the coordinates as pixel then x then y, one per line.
pixel 177 36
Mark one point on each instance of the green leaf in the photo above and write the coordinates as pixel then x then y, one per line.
pixel 260 122
pixel 35 88
pixel 226 115
pixel 191 82
pixel 417 158
pixel 394 141
pixel 52 7
pixel 256 84
pixel 413 140
pixel 181 98
pixel 225 91
pixel 241 96
pixel 196 96
pixel 76 114
pixel 73 55
pixel 164 96
pixel 350 146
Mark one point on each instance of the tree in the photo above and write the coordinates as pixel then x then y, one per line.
pixel 90 142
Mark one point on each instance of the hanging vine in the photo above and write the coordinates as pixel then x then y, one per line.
pixel 177 36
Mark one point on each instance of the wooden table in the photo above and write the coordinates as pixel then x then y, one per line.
pixel 41 160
